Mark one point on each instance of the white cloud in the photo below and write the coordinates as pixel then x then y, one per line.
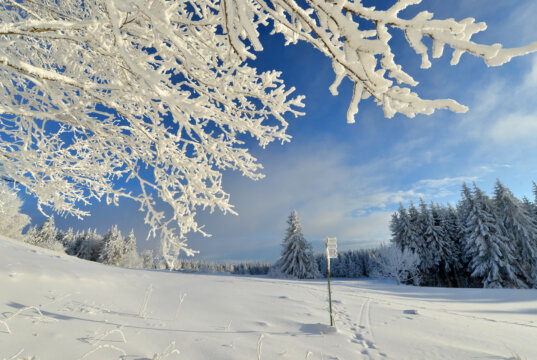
pixel 515 128
pixel 447 186
pixel 502 121
pixel 333 197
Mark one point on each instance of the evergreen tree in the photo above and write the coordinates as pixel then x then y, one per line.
pixel 89 245
pixel 434 253
pixel 521 230
pixel 528 206
pixel 297 255
pixel 356 270
pixel 454 241
pixel 415 241
pixel 534 195
pixel 113 248
pixel 69 241
pixel 442 244
pixel 490 252
pixel 464 207
pixel 46 236
pixel 402 229
pixel 130 255
pixel 396 226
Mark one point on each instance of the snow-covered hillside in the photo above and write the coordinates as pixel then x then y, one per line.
pixel 59 307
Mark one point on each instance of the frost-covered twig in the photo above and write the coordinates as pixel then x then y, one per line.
pixel 260 346
pixel 104 346
pixel 143 308
pixel 181 299
pixel 228 327
pixel 101 338
pixel 35 308
pixel 23 310
pixel 16 355
pixel 170 350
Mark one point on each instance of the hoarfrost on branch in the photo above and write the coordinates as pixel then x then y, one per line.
pixel 159 93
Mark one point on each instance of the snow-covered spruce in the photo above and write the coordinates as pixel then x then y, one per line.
pixel 521 231
pixel 87 86
pixel 113 247
pixel 296 260
pixel 45 236
pixel 130 254
pixel 491 253
pixel 480 243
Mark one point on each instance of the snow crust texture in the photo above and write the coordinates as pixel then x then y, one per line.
pixel 60 307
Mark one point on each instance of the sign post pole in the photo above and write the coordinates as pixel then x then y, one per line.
pixel 331 252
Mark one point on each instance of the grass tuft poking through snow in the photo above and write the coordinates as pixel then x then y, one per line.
pixel 181 299
pixel 105 335
pixel 170 350
pixel 104 346
pixel 16 356
pixel 143 308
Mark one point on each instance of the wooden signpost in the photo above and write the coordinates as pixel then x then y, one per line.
pixel 331 253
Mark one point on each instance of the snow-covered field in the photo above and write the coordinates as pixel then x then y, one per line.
pixel 59 307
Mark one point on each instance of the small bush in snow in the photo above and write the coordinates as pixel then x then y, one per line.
pixel 402 265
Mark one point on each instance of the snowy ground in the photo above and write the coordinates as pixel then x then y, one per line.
pixel 59 307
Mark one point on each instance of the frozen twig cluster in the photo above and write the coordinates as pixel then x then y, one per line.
pixel 106 334
pixel 170 350
pixel 26 309
pixel 104 346
pixel 143 309
pixel 181 299
pixel 150 100
pixel 15 356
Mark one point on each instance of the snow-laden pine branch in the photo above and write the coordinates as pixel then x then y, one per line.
pixel 157 95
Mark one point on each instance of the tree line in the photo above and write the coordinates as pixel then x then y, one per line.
pixel 113 249
pixel 483 241
pixel 297 260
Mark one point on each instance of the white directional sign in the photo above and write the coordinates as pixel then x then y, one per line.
pixel 331 247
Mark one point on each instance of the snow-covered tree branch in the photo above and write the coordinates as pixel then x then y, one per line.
pixel 12 221
pixel 159 93
pixel 356 38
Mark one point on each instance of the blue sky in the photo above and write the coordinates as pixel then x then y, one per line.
pixel 346 180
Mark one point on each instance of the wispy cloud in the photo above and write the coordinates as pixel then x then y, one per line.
pixel 333 196
pixel 505 114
